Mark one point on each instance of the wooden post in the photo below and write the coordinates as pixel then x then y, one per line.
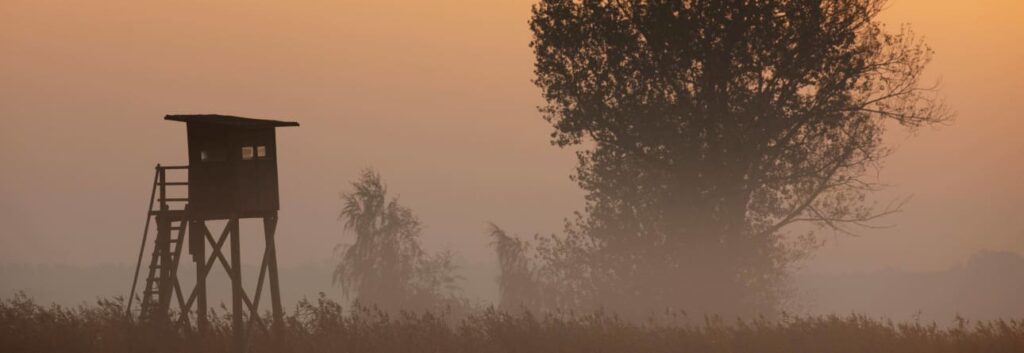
pixel 269 228
pixel 164 284
pixel 163 249
pixel 197 242
pixel 237 323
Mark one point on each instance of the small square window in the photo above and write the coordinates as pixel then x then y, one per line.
pixel 247 153
pixel 204 156
pixel 261 152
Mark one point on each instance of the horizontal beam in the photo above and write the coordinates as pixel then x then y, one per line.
pixel 173 199
pixel 171 167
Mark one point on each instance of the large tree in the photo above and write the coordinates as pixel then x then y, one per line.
pixel 707 128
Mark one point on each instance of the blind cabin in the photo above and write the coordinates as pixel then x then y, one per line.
pixel 232 165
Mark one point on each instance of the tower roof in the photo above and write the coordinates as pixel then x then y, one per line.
pixel 228 120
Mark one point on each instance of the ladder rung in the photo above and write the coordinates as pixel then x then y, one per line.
pixel 175 215
pixel 171 183
pixel 172 167
pixel 174 199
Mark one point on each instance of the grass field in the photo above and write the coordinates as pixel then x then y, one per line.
pixel 325 326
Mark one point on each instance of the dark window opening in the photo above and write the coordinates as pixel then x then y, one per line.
pixel 211 156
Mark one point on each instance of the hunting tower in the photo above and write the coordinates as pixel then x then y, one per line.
pixel 231 175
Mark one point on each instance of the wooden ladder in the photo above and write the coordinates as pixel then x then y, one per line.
pixel 171 225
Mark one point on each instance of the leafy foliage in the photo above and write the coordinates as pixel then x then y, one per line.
pixel 709 127
pixel 386 266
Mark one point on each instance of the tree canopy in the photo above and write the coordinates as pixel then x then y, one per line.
pixel 707 128
pixel 386 266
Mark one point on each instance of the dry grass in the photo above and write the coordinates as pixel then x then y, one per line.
pixel 323 326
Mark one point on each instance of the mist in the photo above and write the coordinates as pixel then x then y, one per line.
pixel 986 287
pixel 439 99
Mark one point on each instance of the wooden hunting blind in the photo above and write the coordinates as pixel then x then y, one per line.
pixel 232 165
pixel 231 175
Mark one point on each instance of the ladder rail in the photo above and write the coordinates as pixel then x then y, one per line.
pixel 142 248
pixel 162 285
pixel 175 257
pixel 151 279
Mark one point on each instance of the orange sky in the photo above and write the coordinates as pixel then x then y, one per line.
pixel 436 96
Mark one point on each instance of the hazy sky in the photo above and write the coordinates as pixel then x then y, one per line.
pixel 437 96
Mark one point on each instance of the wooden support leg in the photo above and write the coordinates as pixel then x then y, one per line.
pixel 164 285
pixel 237 323
pixel 197 241
pixel 163 244
pixel 269 228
